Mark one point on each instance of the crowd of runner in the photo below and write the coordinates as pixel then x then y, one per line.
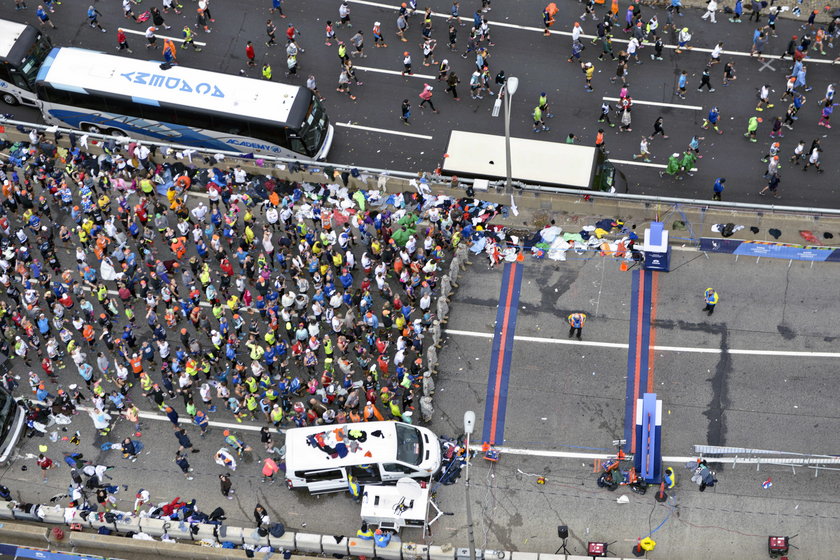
pixel 210 294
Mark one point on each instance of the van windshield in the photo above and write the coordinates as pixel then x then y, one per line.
pixel 409 445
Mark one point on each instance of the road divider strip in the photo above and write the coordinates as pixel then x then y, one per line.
pixel 384 131
pixel 134 32
pixel 686 349
pixel 658 104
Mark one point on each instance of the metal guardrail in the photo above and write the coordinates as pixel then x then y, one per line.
pixel 628 197
pixel 760 457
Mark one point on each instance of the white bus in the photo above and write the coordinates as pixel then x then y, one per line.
pixel 319 458
pixel 534 162
pixel 114 95
pixel 22 51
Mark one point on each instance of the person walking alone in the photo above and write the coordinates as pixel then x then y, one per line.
pixel 426 96
pixel 122 41
pixel 189 39
pixel 151 38
pixel 711 8
pixel 225 486
pixel 658 129
pixel 250 54
pixel 711 298
pixel 576 321
pixel 271 31
pixel 452 82
pixel 93 18
pixel 405 111
pixel 539 123
pixel 717 190
pixel 704 80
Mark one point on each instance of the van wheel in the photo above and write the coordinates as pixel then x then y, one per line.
pixel 10 99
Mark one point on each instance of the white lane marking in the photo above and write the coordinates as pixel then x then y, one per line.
pixel 658 104
pixel 188 421
pixel 393 72
pixel 679 460
pixel 569 34
pixel 640 163
pixel 644 164
pixel 687 349
pixel 384 131
pixel 134 32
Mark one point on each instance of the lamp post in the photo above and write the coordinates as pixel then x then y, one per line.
pixel 469 426
pixel 510 87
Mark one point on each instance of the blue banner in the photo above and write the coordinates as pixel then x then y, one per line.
pixel 770 249
pixel 40 554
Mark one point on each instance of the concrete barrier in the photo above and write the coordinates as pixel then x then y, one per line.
pixel 443 552
pixel 335 544
pixel 17 532
pixel 78 519
pixel 286 542
pixel 51 514
pixel 360 547
pixel 103 542
pixel 252 536
pixel 157 527
pixel 415 551
pixel 308 542
pixel 524 556
pixel 391 552
pixel 236 535
pixel 128 524
pixel 205 531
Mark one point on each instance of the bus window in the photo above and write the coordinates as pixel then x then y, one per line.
pixel 365 474
pixel 409 445
pixel 322 476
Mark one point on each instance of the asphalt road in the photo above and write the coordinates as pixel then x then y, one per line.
pixel 540 64
pixel 716 382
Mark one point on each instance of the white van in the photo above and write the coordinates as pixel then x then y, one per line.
pixel 319 458
pixel 22 51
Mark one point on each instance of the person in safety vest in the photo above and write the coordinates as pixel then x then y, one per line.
pixel 576 322
pixel 711 298
pixel 364 532
pixel 354 488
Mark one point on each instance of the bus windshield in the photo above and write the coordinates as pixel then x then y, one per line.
pixel 314 127
pixel 33 59
pixel 409 445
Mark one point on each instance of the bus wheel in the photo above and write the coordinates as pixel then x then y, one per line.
pixel 117 132
pixel 10 99
pixel 92 128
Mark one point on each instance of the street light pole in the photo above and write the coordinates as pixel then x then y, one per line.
pixel 511 85
pixel 469 426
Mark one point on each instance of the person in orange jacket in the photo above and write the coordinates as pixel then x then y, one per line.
pixel 372 412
